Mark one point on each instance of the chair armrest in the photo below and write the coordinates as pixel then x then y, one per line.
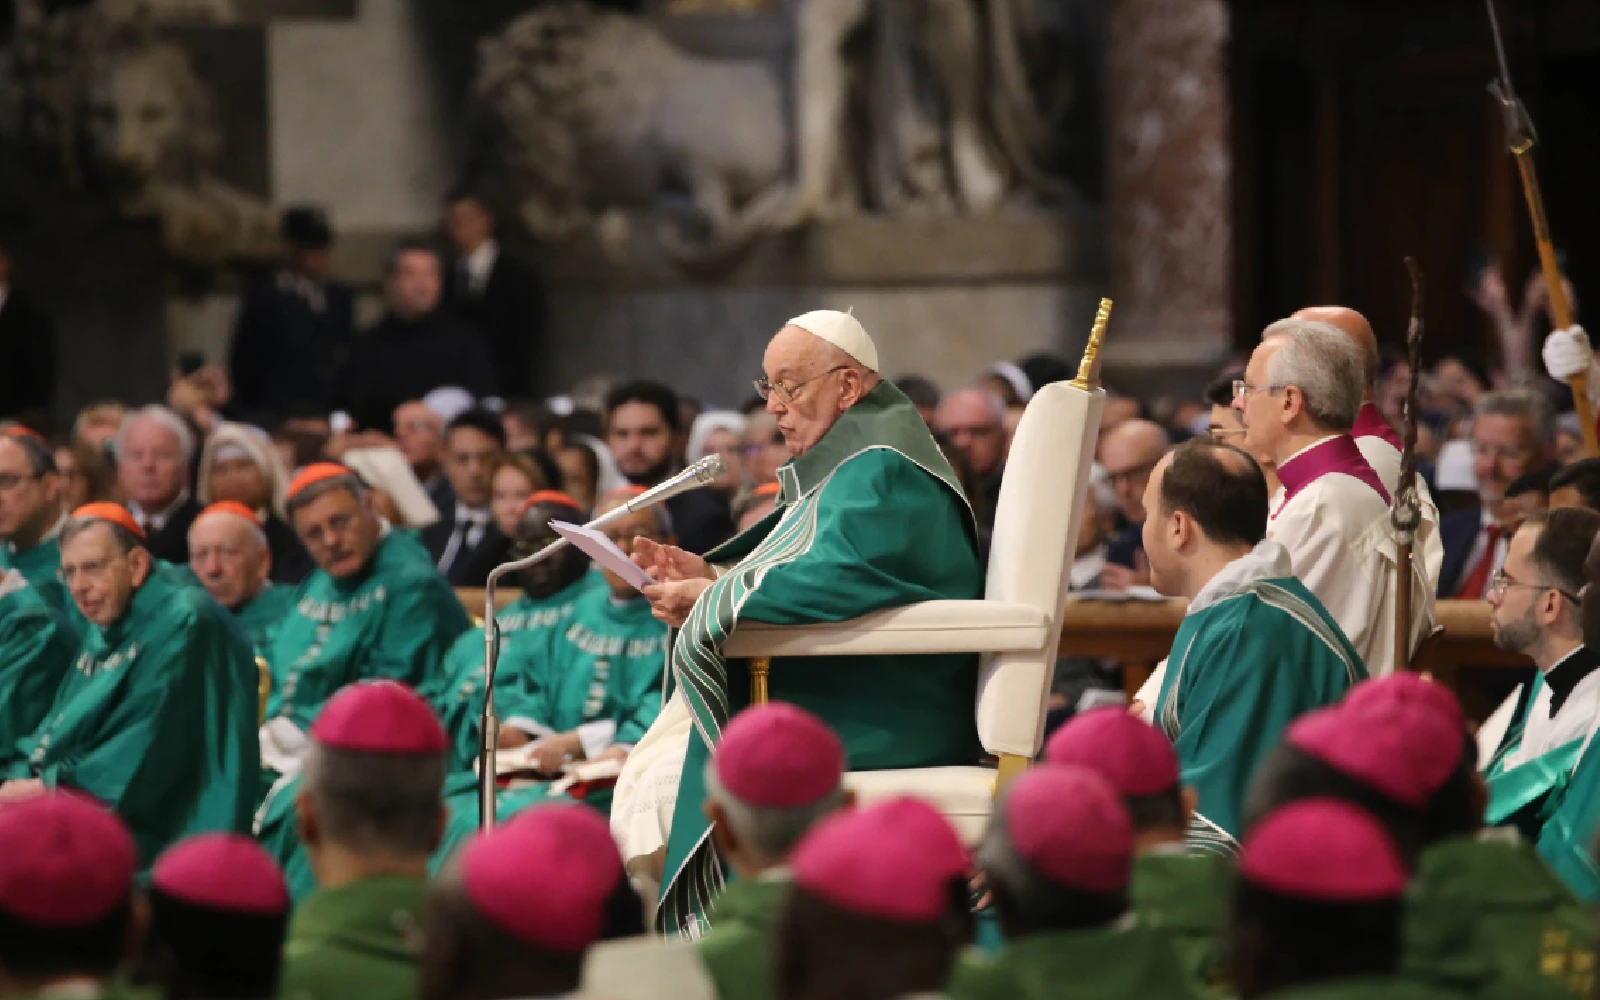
pixel 928 627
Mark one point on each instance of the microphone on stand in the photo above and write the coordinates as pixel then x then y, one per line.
pixel 702 473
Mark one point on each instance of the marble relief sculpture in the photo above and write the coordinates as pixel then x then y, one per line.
pixel 951 107
pixel 108 106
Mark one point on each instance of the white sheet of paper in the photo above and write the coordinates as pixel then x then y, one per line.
pixel 603 551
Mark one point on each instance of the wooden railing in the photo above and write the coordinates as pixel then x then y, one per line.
pixel 1139 635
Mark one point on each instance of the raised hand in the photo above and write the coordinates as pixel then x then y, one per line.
pixel 668 563
pixel 672 601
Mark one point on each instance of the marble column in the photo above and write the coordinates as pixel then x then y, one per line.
pixel 1169 166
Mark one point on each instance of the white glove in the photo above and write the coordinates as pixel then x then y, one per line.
pixel 1567 353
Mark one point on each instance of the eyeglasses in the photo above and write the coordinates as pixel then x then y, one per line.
pixel 11 480
pixel 1502 581
pixel 1241 388
pixel 93 569
pixel 786 393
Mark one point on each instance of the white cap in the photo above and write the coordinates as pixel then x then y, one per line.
pixel 1454 469
pixel 843 331
pixel 449 402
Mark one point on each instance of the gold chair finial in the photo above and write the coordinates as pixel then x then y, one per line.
pixel 1091 351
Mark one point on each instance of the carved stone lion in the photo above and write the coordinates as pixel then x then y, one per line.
pixel 114 109
pixel 593 115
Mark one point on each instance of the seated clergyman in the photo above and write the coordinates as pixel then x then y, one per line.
pixel 157 717
pixel 375 608
pixel 230 556
pixel 870 516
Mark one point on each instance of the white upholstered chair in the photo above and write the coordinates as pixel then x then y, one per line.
pixel 1015 627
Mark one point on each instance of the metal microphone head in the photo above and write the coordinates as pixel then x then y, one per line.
pixel 709 469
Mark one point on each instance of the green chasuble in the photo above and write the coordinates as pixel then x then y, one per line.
pixel 1126 960
pixel 394 620
pixel 1567 838
pixel 37 648
pixel 1255 650
pixel 157 719
pixel 599 675
pixel 459 700
pixel 871 517
pixel 357 941
pixel 737 953
pixel 1184 895
pixel 41 566
pixel 1366 988
pixel 260 617
pixel 1486 911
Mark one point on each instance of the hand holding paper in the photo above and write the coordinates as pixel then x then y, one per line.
pixel 604 552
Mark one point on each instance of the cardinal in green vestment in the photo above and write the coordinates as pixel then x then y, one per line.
pixel 550 590
pixel 37 648
pixel 1255 648
pixel 592 685
pixel 230 557
pixel 30 514
pixel 375 608
pixel 870 516
pixel 157 717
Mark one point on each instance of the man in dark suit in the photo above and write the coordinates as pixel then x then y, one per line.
pixel 415 348
pixel 28 345
pixel 153 450
pixel 1511 436
pixel 466 525
pixel 294 329
pixel 493 293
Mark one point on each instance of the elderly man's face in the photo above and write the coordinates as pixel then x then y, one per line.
pixel 639 524
pixel 27 501
pixel 810 387
pixel 1262 405
pixel 229 558
pixel 150 468
pixel 1128 461
pixel 101 579
pixel 415 285
pixel 468 454
pixel 1502 450
pixel 419 434
pixel 975 425
pixel 339 530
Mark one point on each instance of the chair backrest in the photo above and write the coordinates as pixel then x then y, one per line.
pixel 1030 554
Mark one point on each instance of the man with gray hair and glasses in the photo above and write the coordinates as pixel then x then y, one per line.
pixel 1299 397
pixel 1512 435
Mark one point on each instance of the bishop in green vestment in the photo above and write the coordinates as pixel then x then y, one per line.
pixel 37 648
pixel 157 717
pixel 1256 648
pixel 593 685
pixel 870 516
pixel 30 515
pixel 550 590
pixel 375 608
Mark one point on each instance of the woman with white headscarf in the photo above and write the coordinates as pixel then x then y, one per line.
pixel 719 432
pixel 240 464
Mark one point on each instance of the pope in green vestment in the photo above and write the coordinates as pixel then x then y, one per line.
pixel 392 619
pixel 870 516
pixel 157 717
pixel 1255 650
pixel 37 648
pixel 1486 911
pixel 359 940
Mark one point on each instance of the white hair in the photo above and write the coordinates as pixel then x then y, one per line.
pixel 770 834
pixel 1326 366
pixel 257 535
pixel 1529 404
pixel 163 416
